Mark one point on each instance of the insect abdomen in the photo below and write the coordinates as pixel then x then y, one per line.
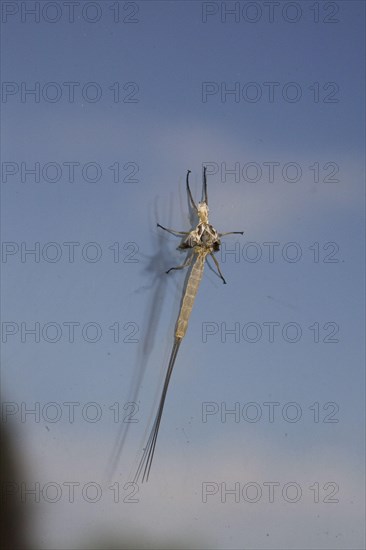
pixel 189 296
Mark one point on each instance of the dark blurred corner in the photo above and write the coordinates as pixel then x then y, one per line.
pixel 13 512
pixel 16 515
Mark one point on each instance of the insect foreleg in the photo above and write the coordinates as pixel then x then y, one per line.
pixel 172 231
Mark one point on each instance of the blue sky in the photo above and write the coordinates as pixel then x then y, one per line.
pixel 172 70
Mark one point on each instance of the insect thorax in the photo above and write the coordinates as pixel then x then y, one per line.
pixel 203 236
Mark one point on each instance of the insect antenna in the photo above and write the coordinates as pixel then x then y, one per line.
pixel 189 192
pixel 205 196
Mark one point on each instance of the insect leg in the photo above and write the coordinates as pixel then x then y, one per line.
pixel 186 264
pixel 172 231
pixel 218 268
pixel 231 233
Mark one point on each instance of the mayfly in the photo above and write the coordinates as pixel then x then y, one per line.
pixel 203 241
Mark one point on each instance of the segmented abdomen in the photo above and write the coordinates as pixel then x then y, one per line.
pixel 189 296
